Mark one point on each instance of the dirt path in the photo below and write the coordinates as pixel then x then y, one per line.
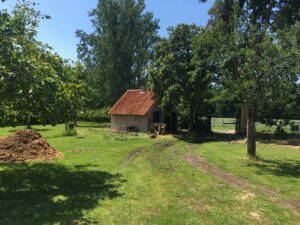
pixel 238 182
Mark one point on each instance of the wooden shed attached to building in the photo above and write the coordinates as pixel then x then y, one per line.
pixel 138 110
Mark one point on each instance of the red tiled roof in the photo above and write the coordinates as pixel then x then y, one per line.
pixel 134 102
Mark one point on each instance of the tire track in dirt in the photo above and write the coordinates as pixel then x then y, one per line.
pixel 238 182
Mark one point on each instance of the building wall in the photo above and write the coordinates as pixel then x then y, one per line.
pixel 143 123
pixel 172 117
pixel 121 122
pixel 162 114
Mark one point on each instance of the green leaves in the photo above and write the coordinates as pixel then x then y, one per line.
pixel 119 50
pixel 254 64
pixel 35 84
pixel 179 76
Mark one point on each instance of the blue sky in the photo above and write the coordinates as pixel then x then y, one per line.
pixel 69 15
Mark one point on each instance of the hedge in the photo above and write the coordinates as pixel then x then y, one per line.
pixel 95 115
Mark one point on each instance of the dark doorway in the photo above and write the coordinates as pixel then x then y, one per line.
pixel 171 121
pixel 174 122
pixel 168 122
pixel 156 116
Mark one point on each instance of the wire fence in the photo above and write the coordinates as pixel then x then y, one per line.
pixel 229 123
pixel 223 121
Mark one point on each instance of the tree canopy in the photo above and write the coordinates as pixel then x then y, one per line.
pixel 117 53
pixel 255 64
pixel 247 54
pixel 35 83
pixel 179 82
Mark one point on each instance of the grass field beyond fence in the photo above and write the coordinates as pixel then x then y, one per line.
pixel 228 124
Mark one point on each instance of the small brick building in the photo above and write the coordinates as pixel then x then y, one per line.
pixel 139 109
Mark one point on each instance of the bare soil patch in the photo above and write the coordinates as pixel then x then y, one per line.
pixel 164 144
pixel 135 153
pixel 292 203
pixel 26 145
pixel 227 178
pixel 246 196
pixel 241 183
pixel 256 216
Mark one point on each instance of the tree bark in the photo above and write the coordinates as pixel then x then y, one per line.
pixel 251 137
pixel 241 121
pixel 209 123
pixel 28 123
pixel 244 116
pixel 238 122
pixel 66 126
pixel 192 118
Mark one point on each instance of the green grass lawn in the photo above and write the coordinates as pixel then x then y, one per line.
pixel 107 178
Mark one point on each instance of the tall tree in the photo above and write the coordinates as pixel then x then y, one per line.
pixel 35 83
pixel 179 82
pixel 275 13
pixel 252 62
pixel 117 53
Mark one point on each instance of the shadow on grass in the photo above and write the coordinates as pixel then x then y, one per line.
pixel 285 139
pixel 52 193
pixel 277 167
pixel 266 138
pixel 13 130
pixel 202 138
pixel 285 167
pixel 94 126
pixel 41 129
pixel 35 129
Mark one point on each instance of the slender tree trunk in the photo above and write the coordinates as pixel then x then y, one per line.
pixel 244 116
pixel 192 117
pixel 209 123
pixel 28 123
pixel 241 121
pixel 251 144
pixel 66 126
pixel 238 121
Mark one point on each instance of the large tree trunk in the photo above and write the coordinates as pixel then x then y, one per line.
pixel 251 144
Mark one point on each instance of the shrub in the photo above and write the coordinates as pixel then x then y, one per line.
pixel 281 125
pixel 95 115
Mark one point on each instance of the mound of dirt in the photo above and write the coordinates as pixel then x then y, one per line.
pixel 26 145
